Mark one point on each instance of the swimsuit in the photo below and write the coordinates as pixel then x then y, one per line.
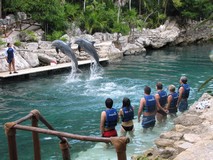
pixel 148 121
pixel 110 133
pixel 128 128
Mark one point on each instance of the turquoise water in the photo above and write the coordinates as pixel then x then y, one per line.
pixel 74 106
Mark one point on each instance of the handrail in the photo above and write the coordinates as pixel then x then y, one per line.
pixel 11 127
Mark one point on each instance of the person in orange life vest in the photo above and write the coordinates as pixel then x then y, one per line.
pixel 161 100
pixel 109 119
pixel 126 114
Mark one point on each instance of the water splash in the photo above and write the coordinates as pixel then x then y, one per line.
pixel 96 71
pixel 73 77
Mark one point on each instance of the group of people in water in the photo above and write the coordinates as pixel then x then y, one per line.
pixel 152 108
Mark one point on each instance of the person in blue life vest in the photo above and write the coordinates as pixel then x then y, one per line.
pixel 172 101
pixel 161 101
pixel 183 94
pixel 148 108
pixel 109 119
pixel 9 54
pixel 126 114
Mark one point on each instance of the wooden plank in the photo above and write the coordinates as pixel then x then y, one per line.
pixel 45 68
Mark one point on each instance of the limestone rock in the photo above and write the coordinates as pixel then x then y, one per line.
pixel 162 142
pixel 167 152
pixel 201 150
pixel 171 135
pixel 44 45
pixel 45 58
pixel 30 57
pixel 193 138
pixel 32 46
pixel 188 120
pixel 182 145
pixel 180 128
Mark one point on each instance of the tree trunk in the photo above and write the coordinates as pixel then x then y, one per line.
pixel 130 6
pixel 0 8
pixel 139 7
pixel 84 5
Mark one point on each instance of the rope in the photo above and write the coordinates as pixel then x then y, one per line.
pixel 8 126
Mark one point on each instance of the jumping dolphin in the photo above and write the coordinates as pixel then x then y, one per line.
pixel 89 48
pixel 66 49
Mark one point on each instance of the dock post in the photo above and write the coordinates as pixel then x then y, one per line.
pixel 35 135
pixel 120 146
pixel 11 137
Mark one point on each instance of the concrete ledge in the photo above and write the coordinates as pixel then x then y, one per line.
pixel 4 75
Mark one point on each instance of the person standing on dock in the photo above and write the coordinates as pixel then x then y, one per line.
pixel 109 119
pixel 148 108
pixel 183 92
pixel 9 53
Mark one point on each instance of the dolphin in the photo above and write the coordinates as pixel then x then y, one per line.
pixel 66 49
pixel 89 48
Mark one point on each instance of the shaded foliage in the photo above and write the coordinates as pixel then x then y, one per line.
pixel 102 15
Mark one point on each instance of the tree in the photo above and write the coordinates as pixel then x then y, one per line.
pixel 49 13
pixel 0 8
pixel 191 9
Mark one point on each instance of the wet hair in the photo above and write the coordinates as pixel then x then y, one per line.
pixel 159 85
pixel 171 88
pixel 147 90
pixel 183 79
pixel 126 102
pixel 109 103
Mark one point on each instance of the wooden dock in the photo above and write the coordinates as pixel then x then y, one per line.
pixel 29 71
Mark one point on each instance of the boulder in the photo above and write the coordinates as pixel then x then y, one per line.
pixel 201 150
pixel 30 57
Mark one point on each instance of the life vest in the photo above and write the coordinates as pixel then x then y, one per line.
pixel 10 53
pixel 150 105
pixel 186 91
pixel 163 97
pixel 174 100
pixel 111 118
pixel 128 114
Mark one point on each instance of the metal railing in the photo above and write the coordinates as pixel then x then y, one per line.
pixel 11 127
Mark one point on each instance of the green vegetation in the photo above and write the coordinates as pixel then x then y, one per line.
pixel 2 42
pixel 55 35
pixel 29 36
pixel 92 16
pixel 17 43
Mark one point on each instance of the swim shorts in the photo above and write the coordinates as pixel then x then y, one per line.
pixel 148 121
pixel 183 106
pixel 111 133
